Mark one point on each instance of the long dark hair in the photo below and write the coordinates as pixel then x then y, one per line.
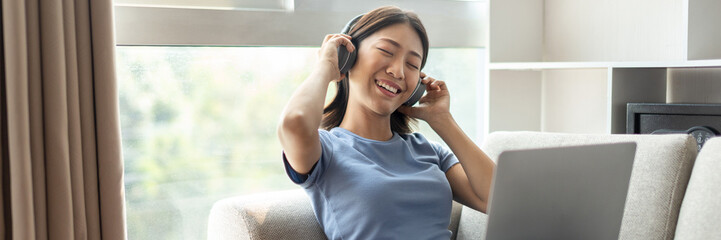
pixel 367 25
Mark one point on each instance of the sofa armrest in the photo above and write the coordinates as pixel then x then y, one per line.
pixel 272 215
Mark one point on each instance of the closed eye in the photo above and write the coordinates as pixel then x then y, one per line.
pixel 413 66
pixel 386 51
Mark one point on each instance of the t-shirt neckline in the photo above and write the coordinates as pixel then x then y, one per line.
pixel 393 139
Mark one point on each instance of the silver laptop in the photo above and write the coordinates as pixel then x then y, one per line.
pixel 560 193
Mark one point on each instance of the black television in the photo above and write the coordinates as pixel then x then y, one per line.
pixel 702 121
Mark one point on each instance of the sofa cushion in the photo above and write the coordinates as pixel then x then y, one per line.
pixel 660 174
pixel 700 215
pixel 472 224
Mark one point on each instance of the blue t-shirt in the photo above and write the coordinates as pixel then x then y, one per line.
pixel 368 189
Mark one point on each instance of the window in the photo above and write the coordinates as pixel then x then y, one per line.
pixel 198 120
pixel 198 125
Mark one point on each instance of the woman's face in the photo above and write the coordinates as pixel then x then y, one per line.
pixel 387 69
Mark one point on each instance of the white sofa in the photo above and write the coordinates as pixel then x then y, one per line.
pixel 668 197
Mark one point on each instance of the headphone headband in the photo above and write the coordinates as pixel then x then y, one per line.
pixel 351 23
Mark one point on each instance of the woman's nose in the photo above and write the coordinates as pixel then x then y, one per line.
pixel 396 69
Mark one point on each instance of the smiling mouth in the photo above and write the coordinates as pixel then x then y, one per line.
pixel 387 88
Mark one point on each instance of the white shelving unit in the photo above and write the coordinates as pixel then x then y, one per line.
pixel 572 65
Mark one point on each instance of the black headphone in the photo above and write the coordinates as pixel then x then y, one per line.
pixel 347 59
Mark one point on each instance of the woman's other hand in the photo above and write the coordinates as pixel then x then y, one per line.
pixel 434 106
pixel 328 54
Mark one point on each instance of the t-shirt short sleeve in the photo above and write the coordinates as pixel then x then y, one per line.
pixel 445 156
pixel 307 180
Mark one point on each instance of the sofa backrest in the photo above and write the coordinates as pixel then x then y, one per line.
pixel 700 216
pixel 660 174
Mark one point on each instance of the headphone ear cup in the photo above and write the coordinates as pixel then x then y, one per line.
pixel 417 93
pixel 345 59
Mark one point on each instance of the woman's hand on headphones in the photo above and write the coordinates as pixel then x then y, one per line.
pixel 328 54
pixel 434 105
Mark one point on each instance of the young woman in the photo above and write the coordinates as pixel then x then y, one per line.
pixel 367 175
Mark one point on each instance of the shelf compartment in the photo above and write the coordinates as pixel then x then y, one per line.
pixel 704 33
pixel 516 31
pixel 596 31
pixel 515 101
pixel 575 100
pixel 557 100
pixel 634 85
pixel 694 85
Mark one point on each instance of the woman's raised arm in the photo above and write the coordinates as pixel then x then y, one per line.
pixel 301 117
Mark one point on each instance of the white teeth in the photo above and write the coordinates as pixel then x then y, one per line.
pixel 389 88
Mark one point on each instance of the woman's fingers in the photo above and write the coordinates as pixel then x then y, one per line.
pixel 327 37
pixel 434 84
pixel 331 43
pixel 330 36
pixel 441 85
pixel 339 39
pixel 328 53
pixel 347 42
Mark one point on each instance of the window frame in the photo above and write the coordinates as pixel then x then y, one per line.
pixel 450 24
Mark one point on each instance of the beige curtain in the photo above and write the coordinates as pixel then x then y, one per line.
pixel 62 171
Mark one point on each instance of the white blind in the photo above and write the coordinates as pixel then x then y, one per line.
pixel 449 23
pixel 268 5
